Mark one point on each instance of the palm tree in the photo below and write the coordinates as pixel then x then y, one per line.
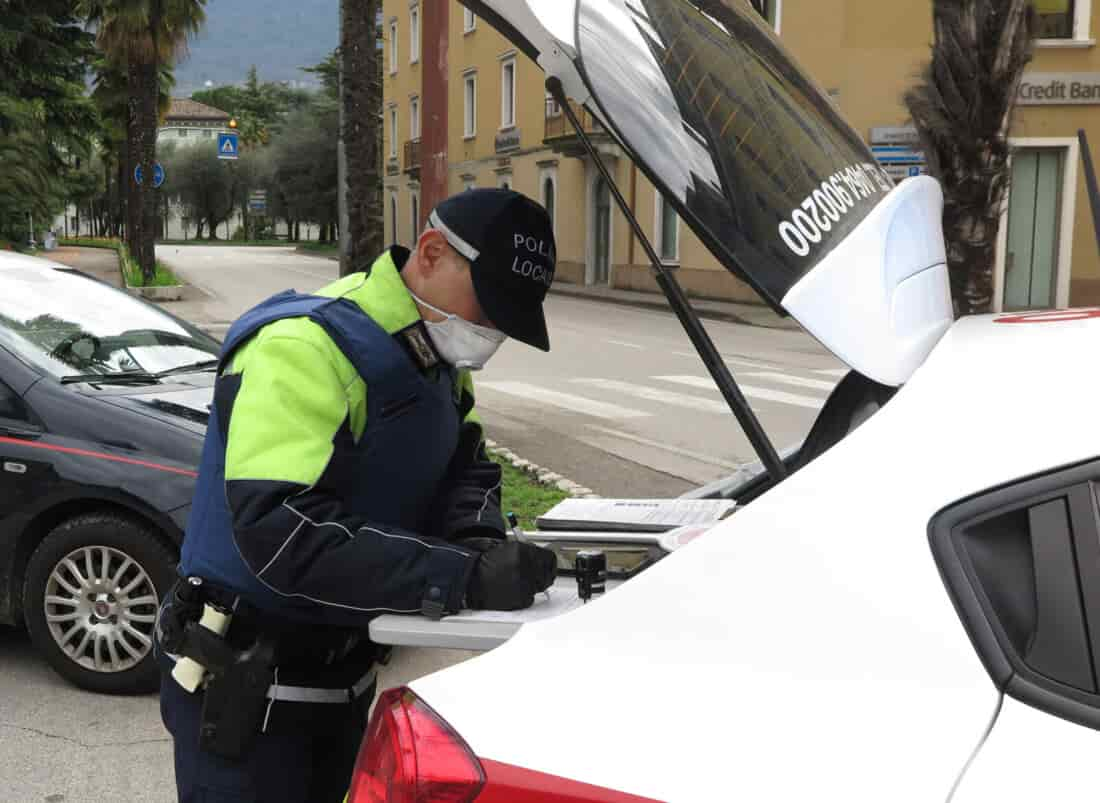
pixel 361 94
pixel 962 109
pixel 111 97
pixel 142 37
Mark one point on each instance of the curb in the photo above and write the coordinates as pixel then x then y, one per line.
pixel 660 305
pixel 539 474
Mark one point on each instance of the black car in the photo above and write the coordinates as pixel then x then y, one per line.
pixel 104 400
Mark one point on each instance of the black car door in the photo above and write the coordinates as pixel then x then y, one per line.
pixel 22 460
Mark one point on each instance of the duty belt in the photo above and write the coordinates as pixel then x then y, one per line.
pixel 304 694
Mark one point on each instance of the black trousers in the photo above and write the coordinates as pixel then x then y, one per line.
pixel 305 755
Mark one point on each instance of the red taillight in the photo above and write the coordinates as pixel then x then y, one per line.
pixel 410 755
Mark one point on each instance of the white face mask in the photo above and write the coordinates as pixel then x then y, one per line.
pixel 463 344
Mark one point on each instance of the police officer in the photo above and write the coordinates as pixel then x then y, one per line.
pixel 344 475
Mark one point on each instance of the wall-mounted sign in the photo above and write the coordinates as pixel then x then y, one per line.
pixel 508 140
pixel 1059 89
pixel 894 135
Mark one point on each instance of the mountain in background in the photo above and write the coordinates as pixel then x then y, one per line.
pixel 278 36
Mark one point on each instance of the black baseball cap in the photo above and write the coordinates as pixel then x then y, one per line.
pixel 509 243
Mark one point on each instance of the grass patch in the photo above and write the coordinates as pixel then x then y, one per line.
pixel 91 242
pixel 131 271
pixel 325 249
pixel 525 497
pixel 163 278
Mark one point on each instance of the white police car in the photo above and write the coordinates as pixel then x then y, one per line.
pixel 914 613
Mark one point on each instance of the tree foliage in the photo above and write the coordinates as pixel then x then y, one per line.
pixel 258 107
pixel 47 123
pixel 962 109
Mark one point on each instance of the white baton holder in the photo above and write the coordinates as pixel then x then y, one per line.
pixel 189 672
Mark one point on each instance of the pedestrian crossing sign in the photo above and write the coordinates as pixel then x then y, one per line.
pixel 229 146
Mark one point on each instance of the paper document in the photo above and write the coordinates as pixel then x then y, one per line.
pixel 556 600
pixel 633 515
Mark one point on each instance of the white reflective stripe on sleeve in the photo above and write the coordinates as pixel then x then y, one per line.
pixel 457 243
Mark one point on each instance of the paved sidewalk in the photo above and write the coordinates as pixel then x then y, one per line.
pixel 196 306
pixel 747 314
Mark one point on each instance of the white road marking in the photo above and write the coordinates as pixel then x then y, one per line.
pixel 764 394
pixel 567 401
pixel 735 360
pixel 839 373
pixel 702 458
pixel 624 344
pixel 788 379
pixel 657 395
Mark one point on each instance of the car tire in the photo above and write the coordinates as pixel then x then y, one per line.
pixel 90 598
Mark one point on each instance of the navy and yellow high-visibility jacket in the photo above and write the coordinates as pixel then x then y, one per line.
pixel 339 461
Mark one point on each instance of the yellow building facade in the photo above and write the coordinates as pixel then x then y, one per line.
pixel 501 130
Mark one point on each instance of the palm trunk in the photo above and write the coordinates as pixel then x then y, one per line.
pixel 149 94
pixel 127 181
pixel 361 90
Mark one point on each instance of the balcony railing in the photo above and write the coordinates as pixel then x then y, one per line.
pixel 412 155
pixel 558 125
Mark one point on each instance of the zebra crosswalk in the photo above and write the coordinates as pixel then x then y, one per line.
pixel 616 399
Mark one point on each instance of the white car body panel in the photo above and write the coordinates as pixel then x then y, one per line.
pixel 806 648
pixel 1031 756
pixel 881 300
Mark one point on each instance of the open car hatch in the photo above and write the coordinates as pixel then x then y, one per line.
pixel 757 160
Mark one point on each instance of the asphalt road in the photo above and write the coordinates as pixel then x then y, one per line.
pixel 621 404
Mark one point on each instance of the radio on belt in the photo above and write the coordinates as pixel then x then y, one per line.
pixel 591 569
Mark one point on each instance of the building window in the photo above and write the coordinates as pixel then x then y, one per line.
pixel 549 199
pixel 505 181
pixel 469 184
pixel 470 91
pixel 508 93
pixel 393 47
pixel 414 118
pixel 668 231
pixel 414 33
pixel 415 216
pixel 469 20
pixel 770 10
pixel 393 132
pixel 394 236
pixel 552 107
pixel 1055 18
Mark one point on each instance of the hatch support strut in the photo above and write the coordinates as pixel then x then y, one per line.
pixel 678 300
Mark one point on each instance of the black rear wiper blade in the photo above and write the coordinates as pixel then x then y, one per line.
pixel 204 365
pixel 127 378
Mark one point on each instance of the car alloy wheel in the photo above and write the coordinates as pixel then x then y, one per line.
pixel 101 608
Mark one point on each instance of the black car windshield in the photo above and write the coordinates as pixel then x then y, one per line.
pixel 750 152
pixel 64 324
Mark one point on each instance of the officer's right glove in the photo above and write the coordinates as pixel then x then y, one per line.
pixel 508 574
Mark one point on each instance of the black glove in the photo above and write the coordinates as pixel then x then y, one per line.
pixel 507 576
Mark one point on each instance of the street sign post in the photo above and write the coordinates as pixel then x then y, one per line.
pixel 158 175
pixel 229 146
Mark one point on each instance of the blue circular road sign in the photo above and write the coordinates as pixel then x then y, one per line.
pixel 158 175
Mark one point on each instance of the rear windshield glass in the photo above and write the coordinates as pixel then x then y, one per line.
pixel 751 153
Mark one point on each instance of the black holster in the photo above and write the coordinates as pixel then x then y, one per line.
pixel 235 701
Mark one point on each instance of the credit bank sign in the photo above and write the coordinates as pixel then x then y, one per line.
pixel 1060 88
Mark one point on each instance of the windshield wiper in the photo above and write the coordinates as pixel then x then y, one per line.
pixel 203 365
pixel 122 378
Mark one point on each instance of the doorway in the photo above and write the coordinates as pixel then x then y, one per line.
pixel 1033 248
